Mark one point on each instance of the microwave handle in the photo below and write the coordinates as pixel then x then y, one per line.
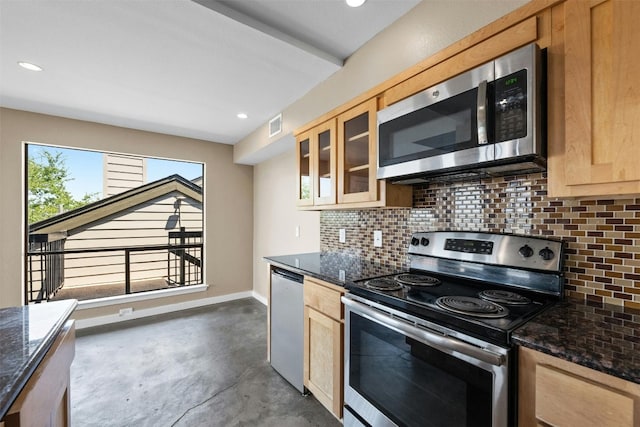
pixel 482 113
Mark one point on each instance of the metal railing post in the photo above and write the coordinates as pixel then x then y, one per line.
pixel 127 271
pixel 182 253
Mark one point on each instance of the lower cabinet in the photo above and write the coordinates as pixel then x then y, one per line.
pixel 555 392
pixel 323 343
pixel 44 401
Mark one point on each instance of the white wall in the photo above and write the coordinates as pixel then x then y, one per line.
pixel 276 217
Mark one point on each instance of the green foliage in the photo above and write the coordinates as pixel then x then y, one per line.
pixel 47 178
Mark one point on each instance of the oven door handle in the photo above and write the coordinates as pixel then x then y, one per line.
pixel 437 341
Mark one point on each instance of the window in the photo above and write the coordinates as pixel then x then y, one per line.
pixel 106 224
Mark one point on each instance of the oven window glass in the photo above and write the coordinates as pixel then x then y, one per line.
pixel 443 127
pixel 414 384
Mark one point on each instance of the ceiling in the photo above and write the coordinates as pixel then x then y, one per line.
pixel 178 67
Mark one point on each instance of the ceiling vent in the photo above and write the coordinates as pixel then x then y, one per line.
pixel 275 125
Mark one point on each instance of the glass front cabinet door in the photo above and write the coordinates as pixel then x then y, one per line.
pixel 357 154
pixel 325 163
pixel 316 156
pixel 304 187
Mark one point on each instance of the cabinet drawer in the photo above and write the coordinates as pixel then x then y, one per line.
pixel 564 399
pixel 323 299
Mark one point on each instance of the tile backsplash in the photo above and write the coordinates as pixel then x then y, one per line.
pixel 603 235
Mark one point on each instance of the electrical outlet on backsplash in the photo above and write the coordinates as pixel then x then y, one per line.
pixel 603 235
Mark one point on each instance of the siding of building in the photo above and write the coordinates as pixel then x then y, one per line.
pixel 143 225
pixel 122 172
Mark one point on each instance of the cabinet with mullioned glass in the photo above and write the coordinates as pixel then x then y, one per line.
pixel 357 154
pixel 336 163
pixel 316 161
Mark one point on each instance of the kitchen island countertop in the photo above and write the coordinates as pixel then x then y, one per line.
pixel 334 267
pixel 602 337
pixel 27 334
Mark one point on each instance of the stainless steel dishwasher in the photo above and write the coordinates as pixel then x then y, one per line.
pixel 287 326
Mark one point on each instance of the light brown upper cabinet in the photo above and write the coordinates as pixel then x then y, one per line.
pixel 316 161
pixel 336 163
pixel 595 76
pixel 357 154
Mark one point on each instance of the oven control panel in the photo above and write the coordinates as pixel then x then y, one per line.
pixel 483 247
pixel 506 250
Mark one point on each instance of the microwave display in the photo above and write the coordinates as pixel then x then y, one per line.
pixel 511 106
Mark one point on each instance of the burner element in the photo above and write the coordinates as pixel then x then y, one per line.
pixel 504 297
pixel 382 284
pixel 417 280
pixel 472 306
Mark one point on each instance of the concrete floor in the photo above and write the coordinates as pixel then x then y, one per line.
pixel 202 367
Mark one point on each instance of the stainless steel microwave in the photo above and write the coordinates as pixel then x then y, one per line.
pixel 484 122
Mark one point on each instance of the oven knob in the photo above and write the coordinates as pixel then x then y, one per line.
pixel 546 254
pixel 526 251
pixel 424 241
pixel 415 241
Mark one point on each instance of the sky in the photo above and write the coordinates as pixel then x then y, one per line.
pixel 85 169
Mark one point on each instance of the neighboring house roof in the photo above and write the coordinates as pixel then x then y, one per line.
pixel 119 202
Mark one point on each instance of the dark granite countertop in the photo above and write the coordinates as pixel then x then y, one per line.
pixel 27 334
pixel 334 267
pixel 603 337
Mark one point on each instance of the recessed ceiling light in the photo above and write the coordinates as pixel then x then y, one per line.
pixel 242 116
pixel 29 66
pixel 355 3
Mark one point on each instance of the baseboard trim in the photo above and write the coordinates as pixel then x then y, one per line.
pixel 168 308
pixel 260 298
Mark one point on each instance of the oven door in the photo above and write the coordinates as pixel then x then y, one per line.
pixel 445 126
pixel 398 373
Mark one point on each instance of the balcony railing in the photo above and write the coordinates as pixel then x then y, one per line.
pixel 178 263
pixel 45 266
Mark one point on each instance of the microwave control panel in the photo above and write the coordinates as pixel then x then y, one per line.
pixel 511 106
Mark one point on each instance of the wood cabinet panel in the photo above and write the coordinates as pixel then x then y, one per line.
pixel 581 403
pixel 555 392
pixel 323 299
pixel 323 359
pixel 44 401
pixel 602 114
pixel 593 143
pixel 323 343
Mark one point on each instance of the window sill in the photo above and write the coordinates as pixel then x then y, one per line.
pixel 123 299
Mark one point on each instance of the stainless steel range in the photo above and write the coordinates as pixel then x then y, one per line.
pixel 431 347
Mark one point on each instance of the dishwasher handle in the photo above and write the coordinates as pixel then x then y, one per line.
pixel 289 275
